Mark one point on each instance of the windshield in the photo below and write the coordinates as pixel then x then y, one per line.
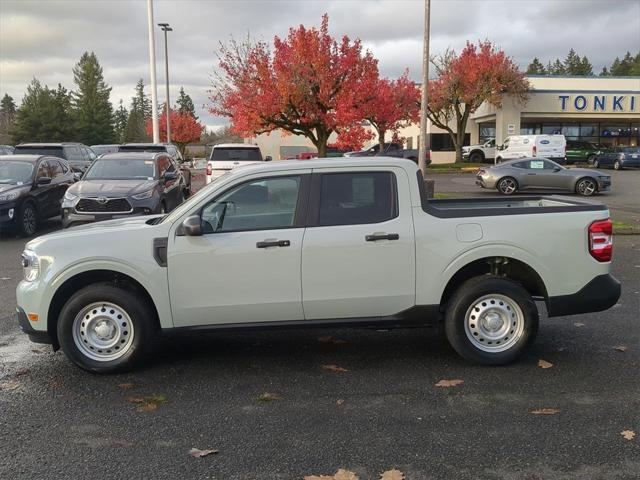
pixel 15 173
pixel 236 154
pixel 187 204
pixel 52 151
pixel 121 169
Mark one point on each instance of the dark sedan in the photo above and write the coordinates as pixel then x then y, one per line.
pixel 619 159
pixel 124 184
pixel 31 190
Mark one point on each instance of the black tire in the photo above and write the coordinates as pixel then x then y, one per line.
pixel 142 327
pixel 507 185
pixel 591 159
pixel 462 304
pixel 586 187
pixel 27 221
pixel 476 157
pixel 617 165
pixel 596 163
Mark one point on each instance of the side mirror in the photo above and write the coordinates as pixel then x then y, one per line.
pixel 170 176
pixel 192 226
pixel 44 181
pixel 268 158
pixel 556 169
pixel 77 176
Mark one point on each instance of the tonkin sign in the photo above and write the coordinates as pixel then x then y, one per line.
pixel 606 103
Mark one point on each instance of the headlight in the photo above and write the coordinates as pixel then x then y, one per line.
pixel 143 195
pixel 5 197
pixel 30 266
pixel 70 196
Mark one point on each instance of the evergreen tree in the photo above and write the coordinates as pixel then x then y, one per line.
pixel 120 117
pixel 185 104
pixel 557 68
pixel 7 117
pixel 43 116
pixel 572 63
pixel 141 102
pixel 604 72
pixel 92 111
pixel 139 112
pixel 536 67
pixel 628 66
pixel 634 70
pixel 586 68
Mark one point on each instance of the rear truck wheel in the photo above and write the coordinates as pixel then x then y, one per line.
pixel 596 163
pixel 476 157
pixel 498 159
pixel 106 329
pixel 507 185
pixel 27 221
pixel 617 165
pixel 491 320
pixel 586 187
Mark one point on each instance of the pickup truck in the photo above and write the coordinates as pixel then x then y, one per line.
pixel 390 150
pixel 327 242
pixel 480 153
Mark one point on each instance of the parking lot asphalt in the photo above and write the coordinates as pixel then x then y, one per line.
pixel 384 411
pixel 623 199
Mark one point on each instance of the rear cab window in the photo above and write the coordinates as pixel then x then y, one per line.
pixel 239 154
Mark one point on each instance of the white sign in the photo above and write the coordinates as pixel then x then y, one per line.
pixel 511 129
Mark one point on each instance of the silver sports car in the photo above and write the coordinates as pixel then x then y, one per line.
pixel 541 174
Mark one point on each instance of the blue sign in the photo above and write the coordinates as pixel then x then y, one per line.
pixel 598 103
pixel 545 142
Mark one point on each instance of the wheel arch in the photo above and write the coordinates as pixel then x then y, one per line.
pixel 477 150
pixel 497 266
pixel 577 181
pixel 82 279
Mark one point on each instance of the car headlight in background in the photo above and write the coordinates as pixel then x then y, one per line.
pixel 5 197
pixel 30 266
pixel 70 196
pixel 143 195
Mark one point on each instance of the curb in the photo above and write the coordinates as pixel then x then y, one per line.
pixel 626 231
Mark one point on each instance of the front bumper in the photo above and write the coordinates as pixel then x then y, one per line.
pixel 604 185
pixel 601 293
pixel 35 336
pixel 70 217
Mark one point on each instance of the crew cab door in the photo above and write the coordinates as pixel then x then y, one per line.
pixel 358 254
pixel 245 268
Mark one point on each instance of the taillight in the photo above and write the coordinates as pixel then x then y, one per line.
pixel 209 171
pixel 601 240
pixel 535 150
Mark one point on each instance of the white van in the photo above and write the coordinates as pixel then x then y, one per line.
pixel 553 147
pixel 227 156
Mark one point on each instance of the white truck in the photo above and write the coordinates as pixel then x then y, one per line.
pixel 227 156
pixel 552 147
pixel 480 153
pixel 344 242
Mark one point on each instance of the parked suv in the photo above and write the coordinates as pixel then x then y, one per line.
pixel 78 155
pixel 580 151
pixel 31 190
pixel 169 148
pixel 227 156
pixel 124 184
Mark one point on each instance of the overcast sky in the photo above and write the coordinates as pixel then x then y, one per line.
pixel 44 39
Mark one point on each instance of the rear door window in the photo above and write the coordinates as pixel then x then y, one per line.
pixel 55 169
pixel 73 154
pixel 357 198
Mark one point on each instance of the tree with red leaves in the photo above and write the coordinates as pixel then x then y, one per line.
pixel 312 85
pixel 481 73
pixel 184 129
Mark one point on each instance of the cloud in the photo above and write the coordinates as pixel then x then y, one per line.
pixel 44 39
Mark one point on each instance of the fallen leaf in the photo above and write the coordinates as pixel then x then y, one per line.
pixel 339 475
pixel 340 402
pixel 392 475
pixel 21 372
pixel 545 411
pixel 126 386
pixel 620 348
pixel 544 364
pixel 197 453
pixel 10 385
pixel 334 368
pixel 269 397
pixel 147 404
pixel 449 383
pixel 578 324
pixel 37 351
pixel 628 434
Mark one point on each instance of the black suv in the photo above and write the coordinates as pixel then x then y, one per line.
pixel 78 155
pixel 31 189
pixel 169 148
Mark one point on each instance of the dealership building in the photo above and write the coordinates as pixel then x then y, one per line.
pixel 602 110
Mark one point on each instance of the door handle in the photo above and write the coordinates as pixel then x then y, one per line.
pixel 382 236
pixel 273 243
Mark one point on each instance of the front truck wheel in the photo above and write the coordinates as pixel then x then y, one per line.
pixel 106 329
pixel 491 320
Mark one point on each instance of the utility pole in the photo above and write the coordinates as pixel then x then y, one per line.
pixel 423 147
pixel 152 68
pixel 166 28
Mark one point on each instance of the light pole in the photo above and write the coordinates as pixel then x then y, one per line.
pixel 423 146
pixel 152 68
pixel 166 28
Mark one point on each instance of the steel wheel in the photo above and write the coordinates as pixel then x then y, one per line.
pixel 494 323
pixel 103 331
pixel 29 220
pixel 586 187
pixel 507 186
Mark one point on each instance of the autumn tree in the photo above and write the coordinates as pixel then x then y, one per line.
pixel 311 84
pixel 185 129
pixel 481 73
